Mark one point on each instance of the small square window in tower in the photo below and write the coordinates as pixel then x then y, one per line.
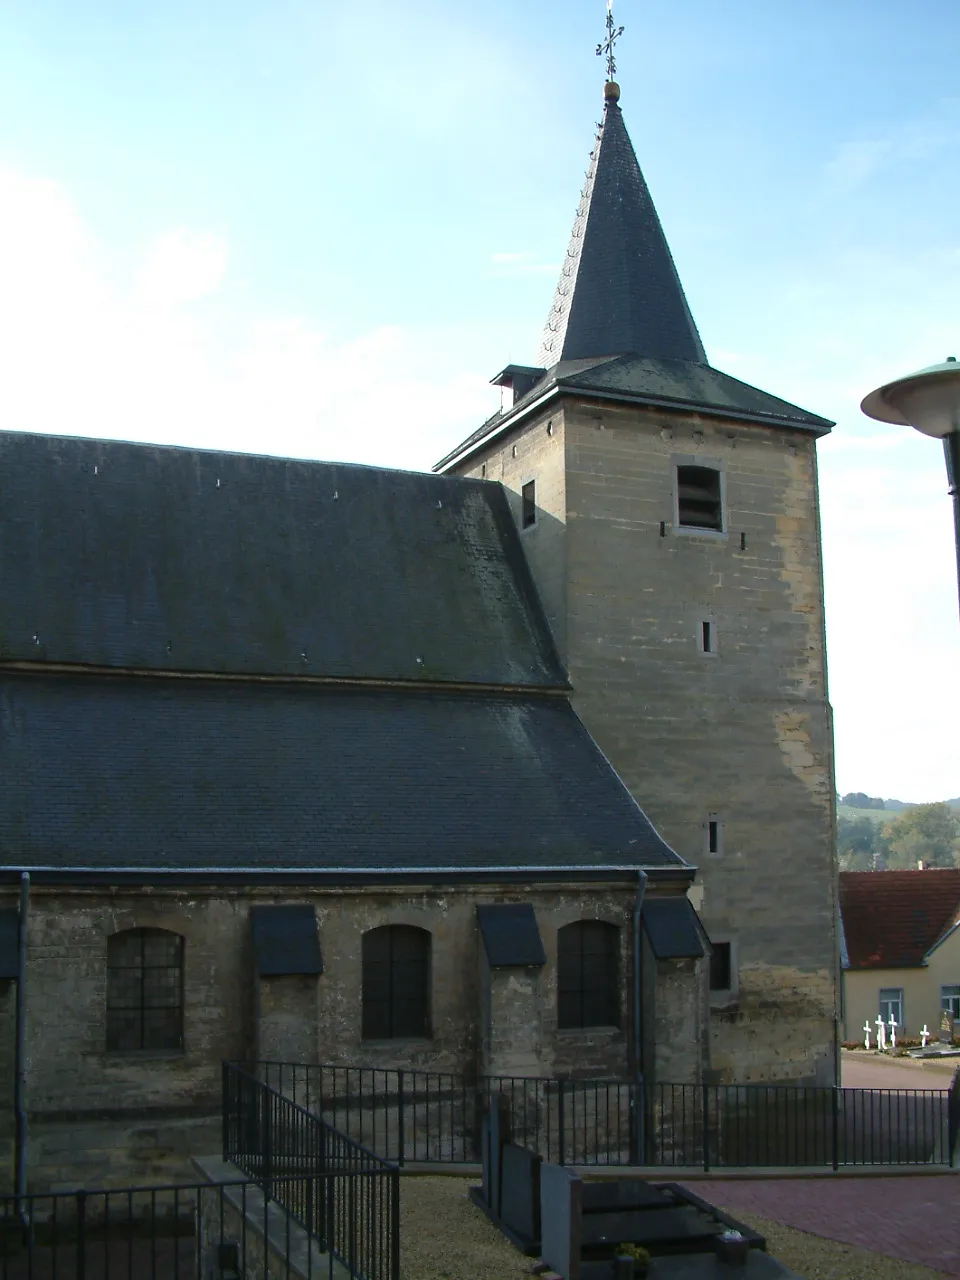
pixel 528 505
pixel 699 504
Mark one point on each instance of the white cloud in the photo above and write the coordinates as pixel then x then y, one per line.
pixel 89 352
pixel 182 266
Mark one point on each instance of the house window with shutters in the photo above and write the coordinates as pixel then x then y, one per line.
pixel 144 991
pixel 396 983
pixel 588 975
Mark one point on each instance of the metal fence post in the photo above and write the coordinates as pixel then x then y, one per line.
pixel 81 1235
pixel 394 1224
pixel 224 1107
pixel 266 1137
pixel 705 1123
pixel 401 1129
pixel 836 1127
pixel 561 1124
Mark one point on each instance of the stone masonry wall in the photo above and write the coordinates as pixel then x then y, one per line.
pixel 744 735
pixel 99 1118
pixel 539 456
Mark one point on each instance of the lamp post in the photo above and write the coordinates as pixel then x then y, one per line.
pixel 929 401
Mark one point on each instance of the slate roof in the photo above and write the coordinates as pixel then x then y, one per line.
pixel 143 556
pixel 620 328
pixel 673 384
pixel 102 772
pixel 618 289
pixel 891 919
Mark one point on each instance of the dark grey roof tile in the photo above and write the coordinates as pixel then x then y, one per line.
pixel 114 771
pixel 142 556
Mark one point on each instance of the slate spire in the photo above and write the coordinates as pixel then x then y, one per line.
pixel 619 290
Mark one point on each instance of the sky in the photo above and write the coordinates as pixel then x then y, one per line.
pixel 320 229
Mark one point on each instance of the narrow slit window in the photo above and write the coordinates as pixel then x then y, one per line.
pixel 713 835
pixel 706 636
pixel 699 504
pixel 720 967
pixel 528 505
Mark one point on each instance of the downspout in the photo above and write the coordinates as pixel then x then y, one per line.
pixel 640 1105
pixel 20 1059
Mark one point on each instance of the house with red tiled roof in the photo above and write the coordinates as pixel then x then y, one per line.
pixel 900 949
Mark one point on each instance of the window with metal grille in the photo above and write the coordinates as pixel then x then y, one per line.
pixel 144 990
pixel 588 974
pixel 396 982
pixel 891 1005
pixel 699 504
pixel 528 504
pixel 721 971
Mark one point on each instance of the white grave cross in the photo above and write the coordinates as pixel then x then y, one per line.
pixel 893 1032
pixel 866 1035
pixel 881 1034
pixel 924 1036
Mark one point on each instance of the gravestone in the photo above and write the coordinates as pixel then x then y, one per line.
pixel 496 1134
pixel 520 1197
pixel 946 1027
pixel 561 1215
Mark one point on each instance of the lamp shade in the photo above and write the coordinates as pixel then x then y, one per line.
pixel 928 400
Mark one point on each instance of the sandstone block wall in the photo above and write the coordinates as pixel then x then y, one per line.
pixel 109 1119
pixel 742 736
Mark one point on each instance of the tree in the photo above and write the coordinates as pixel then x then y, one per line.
pixel 858 800
pixel 928 832
pixel 857 844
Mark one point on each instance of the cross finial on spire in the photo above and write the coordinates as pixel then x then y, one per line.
pixel 613 35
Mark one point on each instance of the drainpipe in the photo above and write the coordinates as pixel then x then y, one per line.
pixel 640 1107
pixel 20 1064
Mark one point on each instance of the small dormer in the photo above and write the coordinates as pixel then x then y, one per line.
pixel 514 382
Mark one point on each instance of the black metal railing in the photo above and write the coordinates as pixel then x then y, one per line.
pixel 435 1118
pixel 402 1115
pixel 345 1195
pixel 184 1232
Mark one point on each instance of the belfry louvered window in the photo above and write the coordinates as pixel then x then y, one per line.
pixel 396 982
pixel 144 990
pixel 699 504
pixel 588 974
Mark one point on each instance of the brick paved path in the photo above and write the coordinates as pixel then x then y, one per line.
pixel 915 1218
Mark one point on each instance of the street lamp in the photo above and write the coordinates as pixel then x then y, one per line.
pixel 930 402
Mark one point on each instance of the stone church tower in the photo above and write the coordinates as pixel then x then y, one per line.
pixel 669 513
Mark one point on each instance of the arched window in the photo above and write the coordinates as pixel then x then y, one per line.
pixel 396 982
pixel 588 974
pixel 144 990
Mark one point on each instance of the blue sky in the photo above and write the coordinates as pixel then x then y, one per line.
pixel 319 230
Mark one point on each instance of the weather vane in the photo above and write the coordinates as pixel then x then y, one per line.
pixel 613 35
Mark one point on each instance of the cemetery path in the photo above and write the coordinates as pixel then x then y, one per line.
pixel 914 1219
pixel 862 1073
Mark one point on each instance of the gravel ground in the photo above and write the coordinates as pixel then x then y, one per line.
pixel 445 1237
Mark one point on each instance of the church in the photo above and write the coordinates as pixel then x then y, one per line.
pixel 521 767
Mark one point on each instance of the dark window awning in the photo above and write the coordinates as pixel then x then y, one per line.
pixel 9 942
pixel 510 935
pixel 285 941
pixel 674 929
